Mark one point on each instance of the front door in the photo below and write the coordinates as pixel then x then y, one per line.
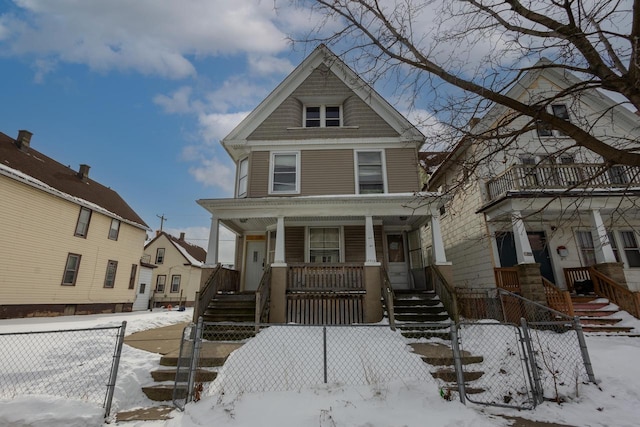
pixel 254 264
pixel 397 262
pixel 539 247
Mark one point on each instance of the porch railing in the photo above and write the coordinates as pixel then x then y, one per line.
pixel 445 292
pixel 263 293
pixel 576 274
pixel 622 297
pixel 507 279
pixel 221 279
pixel 557 176
pixel 388 297
pixel 558 299
pixel 325 277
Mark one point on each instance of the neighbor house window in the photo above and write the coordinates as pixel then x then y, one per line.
pixel 618 175
pixel 370 172
pixel 110 276
pixel 560 111
pixel 324 244
pixel 175 283
pixel 161 280
pixel 543 129
pixel 630 247
pixel 114 230
pixel 285 169
pixel 82 227
pixel 322 116
pixel 159 255
pixel 243 176
pixel 585 243
pixel 71 269
pixel 132 276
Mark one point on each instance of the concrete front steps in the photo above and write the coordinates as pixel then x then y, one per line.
pixel 413 307
pixel 212 357
pixel 595 317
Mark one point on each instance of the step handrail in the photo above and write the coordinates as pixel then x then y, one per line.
pixel 388 296
pixel 263 294
pixel 624 298
pixel 446 292
pixel 220 279
pixel 557 298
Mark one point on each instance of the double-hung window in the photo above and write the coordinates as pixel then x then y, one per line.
pixel 114 230
pixel 284 176
pixel 324 244
pixel 587 249
pixel 82 226
pixel 320 116
pixel 175 283
pixel 243 177
pixel 159 255
pixel 161 280
pixel 370 172
pixel 560 111
pixel 71 269
pixel 631 249
pixel 110 275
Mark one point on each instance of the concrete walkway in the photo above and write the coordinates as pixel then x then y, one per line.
pixel 160 340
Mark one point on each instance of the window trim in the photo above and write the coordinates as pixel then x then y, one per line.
pixel 241 176
pixel 160 258
pixel 383 161
pixel 623 249
pixel 86 227
pixel 545 127
pixel 66 268
pixel 111 284
pixel 582 249
pixel 173 277
pixel 341 244
pixel 164 283
pixel 272 158
pixel 117 229
pixel 323 115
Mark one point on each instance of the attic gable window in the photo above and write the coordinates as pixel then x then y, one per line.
pixel 544 129
pixel 321 116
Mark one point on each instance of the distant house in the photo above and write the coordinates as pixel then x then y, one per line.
pixel 69 245
pixel 179 269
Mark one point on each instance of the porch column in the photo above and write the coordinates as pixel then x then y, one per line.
pixel 437 243
pixel 523 247
pixel 214 240
pixel 602 245
pixel 370 242
pixel 278 259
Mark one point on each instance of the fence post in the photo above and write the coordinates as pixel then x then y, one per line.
pixel 583 349
pixel 538 393
pixel 324 347
pixel 195 357
pixel 111 385
pixel 457 360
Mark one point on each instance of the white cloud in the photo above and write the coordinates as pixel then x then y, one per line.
pixel 199 236
pixel 158 37
pixel 266 64
pixel 211 172
pixel 179 102
pixel 216 126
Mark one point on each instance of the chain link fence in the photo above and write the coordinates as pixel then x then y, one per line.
pixel 77 364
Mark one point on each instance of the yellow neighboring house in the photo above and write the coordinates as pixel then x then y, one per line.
pixel 70 245
pixel 178 272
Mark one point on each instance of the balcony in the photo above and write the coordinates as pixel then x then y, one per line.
pixel 562 177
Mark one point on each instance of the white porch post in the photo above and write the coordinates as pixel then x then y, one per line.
pixel 521 240
pixel 437 243
pixel 370 242
pixel 278 259
pixel 602 245
pixel 214 240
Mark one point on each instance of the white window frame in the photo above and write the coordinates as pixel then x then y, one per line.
pixel 582 250
pixel 540 125
pixel 241 176
pixel 272 167
pixel 114 229
pixel 623 249
pixel 176 280
pixel 323 115
pixel 383 160
pixel 307 241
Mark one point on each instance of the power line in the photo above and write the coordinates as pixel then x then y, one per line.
pixel 162 220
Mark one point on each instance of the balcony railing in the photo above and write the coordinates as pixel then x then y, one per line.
pixel 558 176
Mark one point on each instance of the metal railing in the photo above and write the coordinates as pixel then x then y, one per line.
pixel 221 279
pixel 622 297
pixel 77 364
pixel 562 176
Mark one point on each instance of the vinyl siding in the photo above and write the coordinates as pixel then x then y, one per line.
pixel 37 232
pixel 258 174
pixel 294 244
pixel 402 170
pixel 285 121
pixel 354 243
pixel 327 172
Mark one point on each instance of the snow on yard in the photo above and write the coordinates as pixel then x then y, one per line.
pixel 613 402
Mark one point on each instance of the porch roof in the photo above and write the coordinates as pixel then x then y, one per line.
pixel 405 209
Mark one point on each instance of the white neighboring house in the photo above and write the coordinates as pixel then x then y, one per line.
pixel 544 200
pixel 179 269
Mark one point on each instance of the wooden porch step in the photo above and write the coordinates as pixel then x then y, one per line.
pixel 421 317
pixel 599 320
pixel 229 317
pixel 202 375
pixel 594 313
pixel 590 305
pixel 419 309
pixel 606 329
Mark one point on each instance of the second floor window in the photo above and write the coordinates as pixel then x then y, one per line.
pixel 284 173
pixel 82 226
pixel 114 230
pixel 370 172
pixel 243 176
pixel 175 283
pixel 110 276
pixel 161 280
pixel 159 255
pixel 320 116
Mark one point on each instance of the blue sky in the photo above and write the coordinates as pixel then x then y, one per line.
pixel 143 91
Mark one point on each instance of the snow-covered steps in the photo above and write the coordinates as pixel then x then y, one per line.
pixel 413 307
pixel 597 314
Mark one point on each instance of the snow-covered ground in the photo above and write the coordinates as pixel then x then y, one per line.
pixel 614 402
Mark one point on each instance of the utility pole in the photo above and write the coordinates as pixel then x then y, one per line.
pixel 162 220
